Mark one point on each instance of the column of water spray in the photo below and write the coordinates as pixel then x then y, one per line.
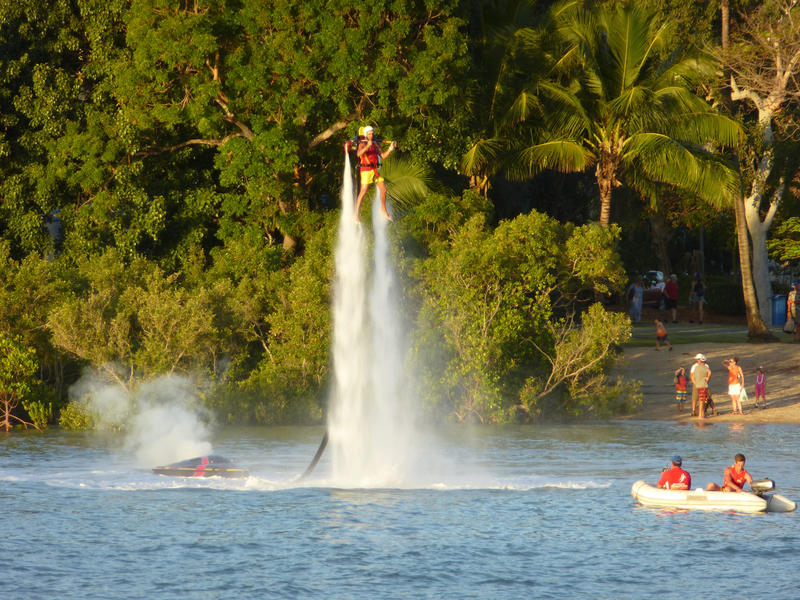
pixel 349 406
pixel 392 416
pixel 368 425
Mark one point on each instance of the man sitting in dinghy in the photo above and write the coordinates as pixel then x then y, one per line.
pixel 734 478
pixel 675 478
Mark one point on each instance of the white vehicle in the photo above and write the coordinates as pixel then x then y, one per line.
pixel 759 500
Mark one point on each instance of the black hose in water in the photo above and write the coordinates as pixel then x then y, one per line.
pixel 317 456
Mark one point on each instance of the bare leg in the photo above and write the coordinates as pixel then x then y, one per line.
pixel 361 193
pixel 382 188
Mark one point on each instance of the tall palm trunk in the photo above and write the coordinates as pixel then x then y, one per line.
pixel 604 184
pixel 606 174
pixel 756 329
pixel 725 9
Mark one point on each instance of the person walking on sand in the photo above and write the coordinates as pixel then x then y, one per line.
pixel 761 387
pixel 661 335
pixel 700 374
pixel 735 384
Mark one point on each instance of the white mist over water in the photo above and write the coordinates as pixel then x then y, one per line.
pixel 162 417
pixel 370 425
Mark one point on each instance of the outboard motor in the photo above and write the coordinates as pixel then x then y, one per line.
pixel 762 486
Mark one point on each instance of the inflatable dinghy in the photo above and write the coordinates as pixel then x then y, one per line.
pixel 203 466
pixel 748 502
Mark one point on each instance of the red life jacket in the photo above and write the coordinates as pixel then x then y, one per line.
pixel 371 159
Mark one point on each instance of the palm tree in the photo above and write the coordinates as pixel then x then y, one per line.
pixel 616 103
pixel 508 47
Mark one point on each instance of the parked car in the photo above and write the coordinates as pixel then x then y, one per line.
pixel 653 289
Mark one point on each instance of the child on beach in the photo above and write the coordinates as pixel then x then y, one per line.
pixel 661 335
pixel 761 387
pixel 680 387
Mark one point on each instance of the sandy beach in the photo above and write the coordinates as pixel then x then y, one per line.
pixel 655 370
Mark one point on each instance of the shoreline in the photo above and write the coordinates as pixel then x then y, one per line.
pixel 781 362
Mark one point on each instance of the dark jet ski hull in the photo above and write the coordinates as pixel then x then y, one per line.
pixel 203 466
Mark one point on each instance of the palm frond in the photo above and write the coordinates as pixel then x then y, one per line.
pixel 408 183
pixel 663 159
pixel 561 155
pixel 524 105
pixel 564 110
pixel 708 127
pixel 482 157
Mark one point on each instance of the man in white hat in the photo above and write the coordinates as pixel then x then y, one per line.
pixel 700 374
pixel 370 154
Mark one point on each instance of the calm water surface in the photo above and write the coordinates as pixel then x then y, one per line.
pixel 527 512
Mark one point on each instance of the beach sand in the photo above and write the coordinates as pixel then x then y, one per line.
pixel 655 370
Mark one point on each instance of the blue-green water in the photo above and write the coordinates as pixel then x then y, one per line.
pixel 519 512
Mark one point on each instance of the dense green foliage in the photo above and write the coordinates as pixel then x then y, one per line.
pixel 169 170
pixel 17 370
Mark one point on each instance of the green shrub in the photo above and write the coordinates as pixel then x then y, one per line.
pixel 75 416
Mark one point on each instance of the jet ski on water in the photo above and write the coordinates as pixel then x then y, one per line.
pixel 203 466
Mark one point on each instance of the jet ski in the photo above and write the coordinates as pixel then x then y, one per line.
pixel 203 466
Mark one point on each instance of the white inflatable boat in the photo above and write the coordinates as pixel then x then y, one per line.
pixel 748 502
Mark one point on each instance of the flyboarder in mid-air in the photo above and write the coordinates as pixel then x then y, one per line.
pixel 370 153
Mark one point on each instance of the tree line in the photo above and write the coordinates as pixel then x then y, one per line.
pixel 170 173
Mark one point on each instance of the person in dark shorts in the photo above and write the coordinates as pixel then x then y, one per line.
pixel 671 297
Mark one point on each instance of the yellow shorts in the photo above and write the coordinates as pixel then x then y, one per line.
pixel 370 176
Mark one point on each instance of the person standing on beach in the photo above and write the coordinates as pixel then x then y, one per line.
pixel 671 294
pixel 735 384
pixel 636 299
pixel 697 295
pixel 680 387
pixel 795 308
pixel 761 387
pixel 700 374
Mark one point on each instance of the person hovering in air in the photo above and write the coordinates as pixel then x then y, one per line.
pixel 734 477
pixel 675 478
pixel 370 154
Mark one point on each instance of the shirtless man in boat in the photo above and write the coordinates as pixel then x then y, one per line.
pixel 675 478
pixel 734 478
